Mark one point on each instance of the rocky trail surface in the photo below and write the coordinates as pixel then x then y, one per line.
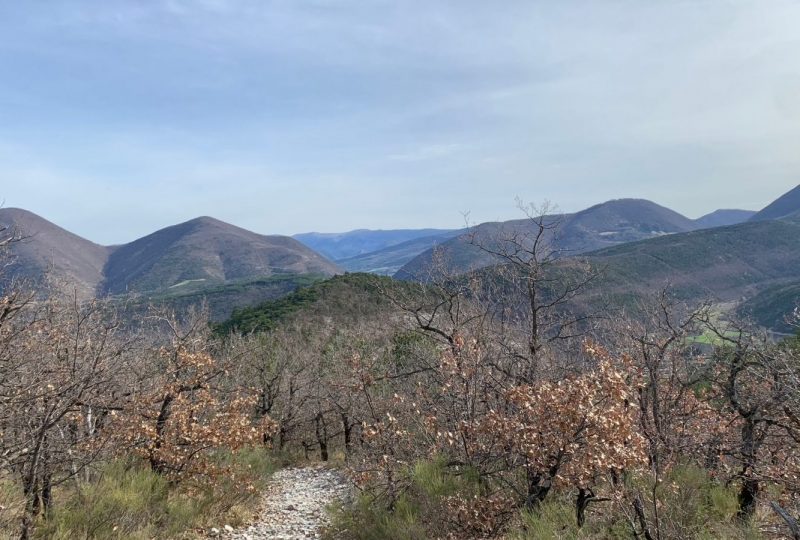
pixel 294 505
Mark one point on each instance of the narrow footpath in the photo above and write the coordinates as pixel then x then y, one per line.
pixel 294 505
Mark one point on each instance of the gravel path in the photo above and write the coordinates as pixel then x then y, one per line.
pixel 294 504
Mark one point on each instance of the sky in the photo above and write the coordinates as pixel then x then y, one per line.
pixel 120 117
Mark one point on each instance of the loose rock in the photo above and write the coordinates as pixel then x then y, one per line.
pixel 294 504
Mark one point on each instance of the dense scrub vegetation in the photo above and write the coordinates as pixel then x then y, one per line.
pixel 351 295
pixel 117 430
pixel 485 406
pixel 220 299
pixel 108 432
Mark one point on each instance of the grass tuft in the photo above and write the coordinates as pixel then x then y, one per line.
pixel 129 501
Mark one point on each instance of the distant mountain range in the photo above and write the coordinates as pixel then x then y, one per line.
pixel 611 223
pixel 376 252
pixel 752 268
pixel 203 252
pixel 339 246
pixel 48 249
pixel 749 258
pixel 209 251
pixel 753 264
pixel 389 259
pixel 603 225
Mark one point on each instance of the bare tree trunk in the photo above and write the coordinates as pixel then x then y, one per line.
pixel 31 484
pixel 47 492
pixel 538 488
pixel 157 465
pixel 585 497
pixel 347 428
pixel 638 507
pixel 282 436
pixel 322 436
pixel 31 490
pixel 747 498
pixel 581 503
pixel 748 493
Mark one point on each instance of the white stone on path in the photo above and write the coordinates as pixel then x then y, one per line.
pixel 294 504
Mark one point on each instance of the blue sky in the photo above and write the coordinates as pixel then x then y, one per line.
pixel 121 117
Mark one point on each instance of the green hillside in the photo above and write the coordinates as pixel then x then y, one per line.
pixel 221 299
pixel 754 260
pixel 771 306
pixel 727 264
pixel 356 295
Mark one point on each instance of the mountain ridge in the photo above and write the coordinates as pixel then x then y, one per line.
pixel 724 217
pixel 48 249
pixel 606 224
pixel 730 264
pixel 785 205
pixel 207 249
pixel 203 249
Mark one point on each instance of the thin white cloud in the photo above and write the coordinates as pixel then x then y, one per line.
pixel 426 152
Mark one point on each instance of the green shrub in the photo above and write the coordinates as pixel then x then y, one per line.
pixel 431 479
pixel 366 520
pixel 417 514
pixel 552 520
pixel 691 505
pixel 130 501
pixel 694 505
pixel 11 504
pixel 555 520
pixel 127 502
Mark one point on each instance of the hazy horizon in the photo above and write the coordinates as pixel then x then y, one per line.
pixel 464 220
pixel 122 117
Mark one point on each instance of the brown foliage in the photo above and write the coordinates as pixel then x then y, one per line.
pixel 176 419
